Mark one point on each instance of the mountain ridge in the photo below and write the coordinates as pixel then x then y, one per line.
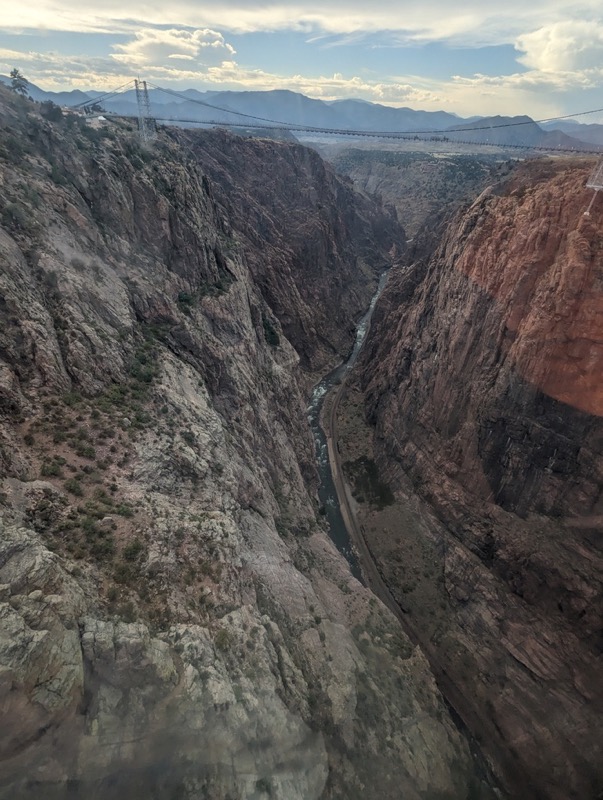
pixel 294 108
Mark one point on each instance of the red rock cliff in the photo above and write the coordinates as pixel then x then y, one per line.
pixel 483 377
pixel 497 346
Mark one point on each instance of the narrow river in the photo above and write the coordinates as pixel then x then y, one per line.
pixel 341 538
pixel 327 493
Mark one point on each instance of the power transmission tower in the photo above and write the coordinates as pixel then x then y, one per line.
pixel 146 124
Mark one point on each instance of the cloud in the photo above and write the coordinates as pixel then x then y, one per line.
pixel 569 46
pixel 562 59
pixel 535 81
pixel 559 48
pixel 474 23
pixel 152 46
pixel 55 72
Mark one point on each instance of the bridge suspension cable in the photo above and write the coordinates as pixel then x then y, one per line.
pixel 147 128
pixel 292 125
pixel 434 136
pixel 106 96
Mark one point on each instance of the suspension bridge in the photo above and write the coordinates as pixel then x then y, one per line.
pixel 147 121
pixel 147 127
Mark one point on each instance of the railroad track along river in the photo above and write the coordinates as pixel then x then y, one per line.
pixel 347 534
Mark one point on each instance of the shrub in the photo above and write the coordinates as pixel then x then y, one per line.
pixel 127 612
pixel 189 438
pixel 15 216
pixel 74 487
pixel 72 399
pixel 270 334
pixel 223 639
pixel 103 549
pixel 133 550
pixel 264 785
pixel 51 111
pixel 185 302
pixel 85 451
pixel 58 175
pixel 50 469
pixel 124 510
pixel 124 573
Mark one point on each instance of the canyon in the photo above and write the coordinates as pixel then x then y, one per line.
pixel 175 620
pixel 471 435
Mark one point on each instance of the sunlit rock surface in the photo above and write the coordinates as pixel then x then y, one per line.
pixel 174 620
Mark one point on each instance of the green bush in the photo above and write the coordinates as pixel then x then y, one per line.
pixel 189 438
pixel 85 451
pixel 14 216
pixel 73 487
pixel 124 573
pixel 72 399
pixel 103 549
pixel 58 175
pixel 270 333
pixel 223 640
pixel 51 111
pixel 264 785
pixel 133 550
pixel 50 469
pixel 185 302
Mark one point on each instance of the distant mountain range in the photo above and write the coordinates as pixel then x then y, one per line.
pixel 283 106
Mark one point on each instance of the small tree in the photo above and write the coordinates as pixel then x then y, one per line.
pixel 18 83
pixel 51 111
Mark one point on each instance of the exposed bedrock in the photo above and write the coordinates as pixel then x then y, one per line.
pixel 483 379
pixel 174 620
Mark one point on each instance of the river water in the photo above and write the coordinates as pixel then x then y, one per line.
pixel 326 492
pixel 338 531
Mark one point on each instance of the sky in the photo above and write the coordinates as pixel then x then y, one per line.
pixel 543 57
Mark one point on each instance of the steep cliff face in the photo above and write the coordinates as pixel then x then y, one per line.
pixel 317 271
pixel 420 186
pixel 173 617
pixel 483 379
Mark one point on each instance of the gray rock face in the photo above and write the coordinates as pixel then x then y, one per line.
pixel 174 620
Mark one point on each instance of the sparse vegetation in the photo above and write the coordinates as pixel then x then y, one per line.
pixel 74 487
pixel 270 332
pixel 134 550
pixel 368 486
pixel 51 111
pixel 15 217
pixel 223 639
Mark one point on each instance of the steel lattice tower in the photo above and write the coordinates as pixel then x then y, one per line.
pixel 146 124
pixel 595 181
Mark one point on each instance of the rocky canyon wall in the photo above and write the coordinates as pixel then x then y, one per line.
pixel 482 381
pixel 174 620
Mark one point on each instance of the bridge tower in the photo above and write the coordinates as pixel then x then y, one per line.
pixel 147 127
pixel 595 181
